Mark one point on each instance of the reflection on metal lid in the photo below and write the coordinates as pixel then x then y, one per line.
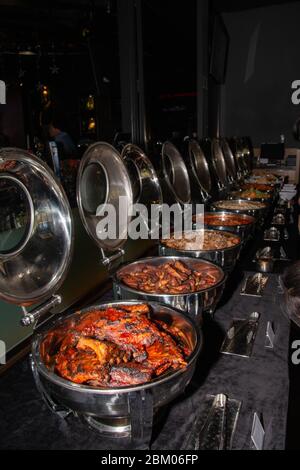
pixel 102 180
pixel 37 240
pixel 199 165
pixel 175 173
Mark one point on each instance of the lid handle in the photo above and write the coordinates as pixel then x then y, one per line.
pixel 29 318
pixel 107 260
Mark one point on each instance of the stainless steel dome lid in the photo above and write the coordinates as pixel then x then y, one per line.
pixel 102 180
pixel 218 161
pixel 175 173
pixel 229 159
pixel 199 165
pixel 36 234
pixel 145 184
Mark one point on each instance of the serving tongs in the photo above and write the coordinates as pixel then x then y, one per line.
pixel 254 285
pixel 217 431
pixel 278 219
pixel 272 234
pixel 240 337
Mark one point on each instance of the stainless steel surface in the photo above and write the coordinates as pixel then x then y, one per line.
pixel 243 230
pixel 241 335
pixel 103 179
pixel 199 168
pixel 144 180
pixel 238 203
pixel 229 160
pixel 193 303
pixel 226 258
pixel 33 270
pixel 219 162
pixel 30 318
pixel 254 285
pixel 113 404
pixel 175 182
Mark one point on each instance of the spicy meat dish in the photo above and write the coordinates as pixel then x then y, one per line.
pixel 229 220
pixel 258 186
pixel 253 194
pixel 173 277
pixel 204 240
pixel 240 205
pixel 265 179
pixel 114 347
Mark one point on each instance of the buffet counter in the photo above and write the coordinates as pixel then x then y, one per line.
pixel 260 382
pixel 236 341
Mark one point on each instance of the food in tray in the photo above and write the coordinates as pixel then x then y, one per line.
pixel 172 277
pixel 240 205
pixel 203 240
pixel 258 186
pixel 114 347
pixel 253 194
pixel 265 179
pixel 225 220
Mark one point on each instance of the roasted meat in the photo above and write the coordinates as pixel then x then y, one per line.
pixel 227 220
pixel 131 373
pixel 114 347
pixel 205 240
pixel 171 278
pixel 240 205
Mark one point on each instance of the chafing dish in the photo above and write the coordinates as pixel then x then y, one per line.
pixel 243 229
pixel 109 410
pixel 226 258
pixel 237 206
pixel 193 303
pixel 239 195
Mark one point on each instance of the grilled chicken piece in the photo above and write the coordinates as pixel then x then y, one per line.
pixel 114 347
pixel 81 366
pixel 131 331
pixel 129 374
pixel 105 351
pixel 51 344
pixel 164 353
pixel 177 335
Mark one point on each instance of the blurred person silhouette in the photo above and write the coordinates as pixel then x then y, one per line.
pixel 65 144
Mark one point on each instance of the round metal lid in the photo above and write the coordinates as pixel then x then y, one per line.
pixel 199 165
pixel 176 173
pixel 36 229
pixel 218 161
pixel 229 159
pixel 144 181
pixel 104 196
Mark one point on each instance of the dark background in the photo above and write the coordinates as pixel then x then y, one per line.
pixel 180 96
pixel 261 106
